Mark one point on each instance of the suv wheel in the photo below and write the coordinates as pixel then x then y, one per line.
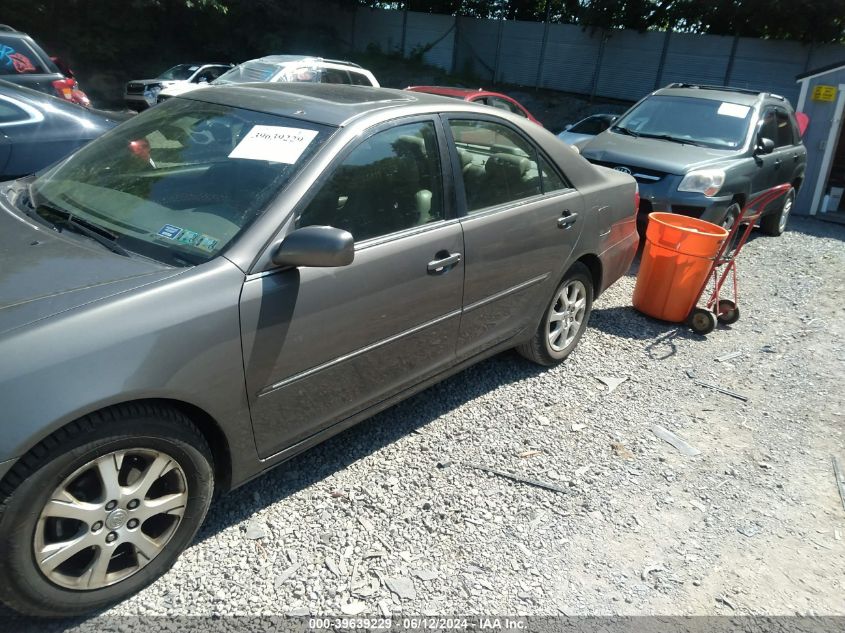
pixel 564 320
pixel 100 509
pixel 775 223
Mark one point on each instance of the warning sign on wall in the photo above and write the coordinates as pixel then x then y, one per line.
pixel 824 93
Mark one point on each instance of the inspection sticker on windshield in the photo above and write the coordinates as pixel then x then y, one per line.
pixel 169 231
pixel 734 110
pixel 274 143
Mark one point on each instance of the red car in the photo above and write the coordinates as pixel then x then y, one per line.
pixel 492 99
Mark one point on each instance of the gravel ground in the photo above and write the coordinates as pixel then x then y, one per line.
pixel 394 517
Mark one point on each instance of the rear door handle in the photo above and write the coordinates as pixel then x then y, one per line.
pixel 446 262
pixel 566 220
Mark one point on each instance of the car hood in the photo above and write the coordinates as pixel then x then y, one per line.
pixel 666 156
pixel 43 274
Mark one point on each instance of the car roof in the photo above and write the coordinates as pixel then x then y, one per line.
pixel 447 91
pixel 716 93
pixel 328 104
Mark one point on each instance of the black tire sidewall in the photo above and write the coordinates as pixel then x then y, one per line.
pixel 581 274
pixel 25 584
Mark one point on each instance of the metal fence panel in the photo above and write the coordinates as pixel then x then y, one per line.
pixel 570 61
pixel 378 27
pixel 477 46
pixel 769 65
pixel 425 29
pixel 630 64
pixel 520 52
pixel 699 59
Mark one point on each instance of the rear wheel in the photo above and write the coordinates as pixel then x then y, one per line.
pixel 100 509
pixel 775 223
pixel 564 320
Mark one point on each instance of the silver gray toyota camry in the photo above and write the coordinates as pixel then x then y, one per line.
pixel 235 275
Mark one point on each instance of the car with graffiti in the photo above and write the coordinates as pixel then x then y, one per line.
pixel 24 62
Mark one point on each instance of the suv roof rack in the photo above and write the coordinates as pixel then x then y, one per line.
pixel 747 91
pixel 342 61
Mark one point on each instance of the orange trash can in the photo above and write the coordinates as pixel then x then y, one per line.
pixel 676 260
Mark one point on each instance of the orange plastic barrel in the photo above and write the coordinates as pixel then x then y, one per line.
pixel 678 255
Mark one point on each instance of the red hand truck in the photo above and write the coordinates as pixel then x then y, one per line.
pixel 726 311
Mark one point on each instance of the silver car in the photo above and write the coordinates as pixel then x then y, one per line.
pixel 228 279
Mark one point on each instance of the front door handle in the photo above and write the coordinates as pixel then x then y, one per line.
pixel 566 220
pixel 445 262
pixel 777 163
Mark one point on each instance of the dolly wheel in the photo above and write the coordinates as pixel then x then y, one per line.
pixel 702 321
pixel 728 312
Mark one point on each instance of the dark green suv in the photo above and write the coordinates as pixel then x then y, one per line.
pixel 705 151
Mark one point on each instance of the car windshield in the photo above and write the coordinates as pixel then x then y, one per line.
pixel 706 122
pixel 182 72
pixel 258 71
pixel 179 182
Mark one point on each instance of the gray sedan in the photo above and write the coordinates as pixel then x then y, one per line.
pixel 230 278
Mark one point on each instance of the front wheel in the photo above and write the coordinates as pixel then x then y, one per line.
pixel 103 507
pixel 564 320
pixel 775 223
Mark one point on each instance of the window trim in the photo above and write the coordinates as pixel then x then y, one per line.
pixel 460 192
pixel 449 203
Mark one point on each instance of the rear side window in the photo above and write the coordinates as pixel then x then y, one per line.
pixel 359 79
pixel 551 181
pixel 390 182
pixel 17 57
pixel 497 164
pixel 10 113
pixel 335 76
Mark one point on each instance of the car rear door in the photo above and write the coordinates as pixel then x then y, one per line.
pixel 521 221
pixel 322 344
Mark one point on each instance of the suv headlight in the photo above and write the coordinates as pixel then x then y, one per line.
pixel 706 181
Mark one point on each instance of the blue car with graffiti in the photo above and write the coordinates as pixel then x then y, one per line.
pixel 24 62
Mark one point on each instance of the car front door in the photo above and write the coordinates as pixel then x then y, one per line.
pixel 521 221
pixel 322 344
pixel 768 165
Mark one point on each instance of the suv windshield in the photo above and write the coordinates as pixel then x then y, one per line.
pixel 705 122
pixel 182 72
pixel 180 181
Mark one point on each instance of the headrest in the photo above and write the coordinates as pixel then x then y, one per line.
pixel 464 157
pixel 410 145
pixel 506 166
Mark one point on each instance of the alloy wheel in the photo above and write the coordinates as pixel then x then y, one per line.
pixel 567 315
pixel 784 214
pixel 110 518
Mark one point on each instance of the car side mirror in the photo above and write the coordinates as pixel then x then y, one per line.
pixel 316 246
pixel 765 145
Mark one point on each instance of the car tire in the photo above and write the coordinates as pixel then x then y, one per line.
pixel 731 216
pixel 775 223
pixel 101 508
pixel 564 319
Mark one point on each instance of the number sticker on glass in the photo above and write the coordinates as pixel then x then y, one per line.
pixel 274 144
pixel 734 110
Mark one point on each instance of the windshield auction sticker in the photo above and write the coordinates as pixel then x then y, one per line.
pixel 275 144
pixel 734 110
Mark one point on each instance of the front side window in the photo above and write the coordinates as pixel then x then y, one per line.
pixel 390 182
pixel 785 136
pixel 180 181
pixel 497 164
pixel 688 120
pixel 504 104
pixel 769 125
